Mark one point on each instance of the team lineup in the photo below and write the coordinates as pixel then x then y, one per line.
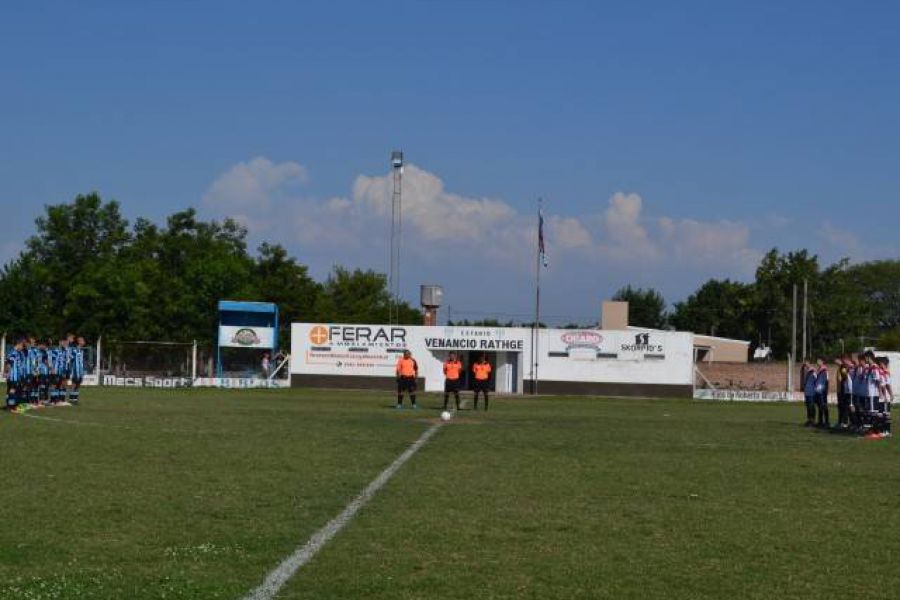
pixel 864 395
pixel 39 373
pixel 407 371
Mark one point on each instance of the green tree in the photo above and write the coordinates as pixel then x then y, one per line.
pixel 775 277
pixel 646 308
pixel 719 307
pixel 889 340
pixel 280 279
pixel 838 312
pixel 879 282
pixel 359 297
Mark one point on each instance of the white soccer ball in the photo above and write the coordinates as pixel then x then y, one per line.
pixel 446 415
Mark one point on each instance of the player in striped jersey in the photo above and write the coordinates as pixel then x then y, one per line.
pixel 15 372
pixel 76 369
pixel 43 372
pixel 32 359
pixel 59 370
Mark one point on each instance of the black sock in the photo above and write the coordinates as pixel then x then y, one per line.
pixel 412 398
pixel 446 399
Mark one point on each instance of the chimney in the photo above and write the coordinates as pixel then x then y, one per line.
pixel 614 315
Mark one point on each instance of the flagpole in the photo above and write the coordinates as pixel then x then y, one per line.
pixel 535 328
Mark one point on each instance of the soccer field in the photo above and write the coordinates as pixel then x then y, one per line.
pixel 201 493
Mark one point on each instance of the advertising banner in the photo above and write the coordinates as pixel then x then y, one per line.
pixel 231 336
pixel 588 355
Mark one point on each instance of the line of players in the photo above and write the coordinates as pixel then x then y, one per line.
pixel 864 394
pixel 408 370
pixel 41 373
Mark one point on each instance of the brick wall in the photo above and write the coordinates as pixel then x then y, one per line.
pixel 769 377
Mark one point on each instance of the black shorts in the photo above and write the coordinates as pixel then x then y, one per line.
pixel 481 385
pixel 76 379
pixel 451 385
pixel 406 384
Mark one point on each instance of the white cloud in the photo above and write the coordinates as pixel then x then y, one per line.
pixel 248 187
pixel 434 213
pixel 438 223
pixel 714 243
pixel 625 237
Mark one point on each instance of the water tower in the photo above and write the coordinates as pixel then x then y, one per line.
pixel 432 296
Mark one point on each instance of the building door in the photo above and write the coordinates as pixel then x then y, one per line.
pixel 506 375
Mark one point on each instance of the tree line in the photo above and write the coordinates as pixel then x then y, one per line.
pixel 86 269
pixel 850 306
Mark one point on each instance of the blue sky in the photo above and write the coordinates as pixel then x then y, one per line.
pixel 672 141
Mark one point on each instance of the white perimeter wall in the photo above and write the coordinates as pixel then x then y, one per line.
pixel 632 356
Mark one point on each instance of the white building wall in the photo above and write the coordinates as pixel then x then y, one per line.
pixel 632 356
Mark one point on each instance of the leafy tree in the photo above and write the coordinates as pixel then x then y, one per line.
pixel 280 279
pixel 838 312
pixel 890 340
pixel 719 307
pixel 775 277
pixel 646 308
pixel 879 282
pixel 359 297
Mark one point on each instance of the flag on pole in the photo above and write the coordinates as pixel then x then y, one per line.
pixel 541 249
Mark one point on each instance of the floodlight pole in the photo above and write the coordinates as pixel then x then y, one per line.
pixel 396 231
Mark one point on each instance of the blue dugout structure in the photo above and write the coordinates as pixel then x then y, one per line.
pixel 248 325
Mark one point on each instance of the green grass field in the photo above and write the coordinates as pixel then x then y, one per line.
pixel 198 494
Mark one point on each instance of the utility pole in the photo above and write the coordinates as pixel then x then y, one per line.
pixel 794 331
pixel 805 308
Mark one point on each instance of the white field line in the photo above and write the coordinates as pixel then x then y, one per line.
pixel 280 575
pixel 70 422
pixel 114 426
pixel 288 567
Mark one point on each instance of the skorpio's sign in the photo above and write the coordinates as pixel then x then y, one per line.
pixel 231 336
pixel 644 343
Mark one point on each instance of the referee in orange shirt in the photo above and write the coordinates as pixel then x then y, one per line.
pixel 452 370
pixel 482 371
pixel 407 371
